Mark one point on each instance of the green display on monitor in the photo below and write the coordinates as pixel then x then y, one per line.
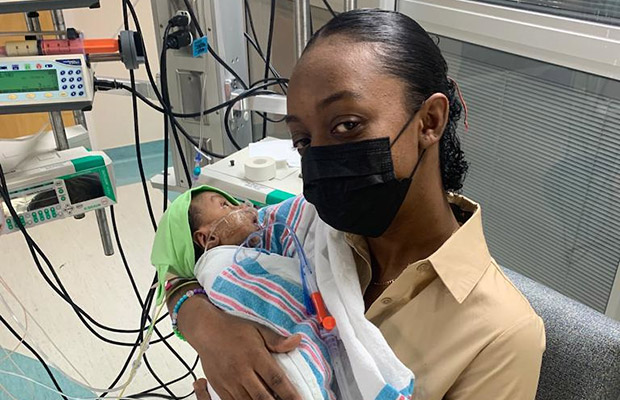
pixel 28 81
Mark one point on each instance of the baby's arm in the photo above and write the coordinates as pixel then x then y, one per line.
pixel 292 212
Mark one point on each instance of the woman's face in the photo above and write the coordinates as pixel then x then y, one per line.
pixel 338 93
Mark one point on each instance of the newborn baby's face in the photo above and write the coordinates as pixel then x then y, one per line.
pixel 225 223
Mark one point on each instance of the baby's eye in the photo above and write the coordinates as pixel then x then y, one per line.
pixel 345 127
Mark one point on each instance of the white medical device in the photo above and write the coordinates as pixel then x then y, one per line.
pixel 229 174
pixel 58 184
pixel 45 83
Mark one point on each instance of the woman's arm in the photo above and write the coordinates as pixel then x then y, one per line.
pixel 235 353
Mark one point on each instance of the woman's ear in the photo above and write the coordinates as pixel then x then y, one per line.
pixel 205 240
pixel 434 117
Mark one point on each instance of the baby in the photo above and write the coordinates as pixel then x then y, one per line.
pixel 239 282
pixel 206 233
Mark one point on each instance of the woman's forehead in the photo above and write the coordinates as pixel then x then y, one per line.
pixel 332 68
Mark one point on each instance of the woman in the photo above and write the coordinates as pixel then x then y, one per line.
pixel 374 114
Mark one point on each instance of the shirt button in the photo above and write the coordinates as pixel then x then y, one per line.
pixel 423 268
pixel 386 300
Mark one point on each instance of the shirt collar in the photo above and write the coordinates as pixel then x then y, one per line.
pixel 460 262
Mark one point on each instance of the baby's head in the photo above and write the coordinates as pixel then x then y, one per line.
pixel 215 221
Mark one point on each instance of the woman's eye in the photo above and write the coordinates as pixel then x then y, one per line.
pixel 345 127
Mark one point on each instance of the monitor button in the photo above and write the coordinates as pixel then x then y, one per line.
pixel 48 95
pixel 30 95
pixel 63 94
pixel 12 97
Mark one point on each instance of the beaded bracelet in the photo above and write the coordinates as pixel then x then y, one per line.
pixel 177 307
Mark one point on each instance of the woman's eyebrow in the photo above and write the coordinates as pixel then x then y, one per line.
pixel 332 98
pixel 341 95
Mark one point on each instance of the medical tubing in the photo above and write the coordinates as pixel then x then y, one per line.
pixel 9 353
pixel 34 352
pixel 25 329
pixel 333 347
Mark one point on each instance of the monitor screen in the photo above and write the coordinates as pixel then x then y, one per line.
pixel 28 81
pixel 84 187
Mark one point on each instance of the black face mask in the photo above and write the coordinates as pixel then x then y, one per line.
pixel 353 186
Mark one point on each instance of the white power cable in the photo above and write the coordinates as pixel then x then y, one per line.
pixel 143 347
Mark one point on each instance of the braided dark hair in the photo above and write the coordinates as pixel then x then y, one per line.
pixel 409 53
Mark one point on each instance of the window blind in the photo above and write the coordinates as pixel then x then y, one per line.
pixel 603 11
pixel 545 165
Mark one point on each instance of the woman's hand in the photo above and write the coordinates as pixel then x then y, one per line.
pixel 235 353
pixel 236 358
pixel 201 390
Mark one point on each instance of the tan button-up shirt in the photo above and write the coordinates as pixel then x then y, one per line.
pixel 457 321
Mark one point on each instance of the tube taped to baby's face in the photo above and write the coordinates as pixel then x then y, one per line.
pixel 235 227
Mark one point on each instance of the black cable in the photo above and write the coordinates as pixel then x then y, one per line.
pixel 165 103
pixel 136 130
pixel 147 302
pixel 157 396
pixel 144 392
pixel 228 68
pixel 137 293
pixel 61 290
pixel 329 8
pixel 250 20
pixel 246 94
pixel 272 17
pixel 275 73
pixel 34 352
pixel 311 21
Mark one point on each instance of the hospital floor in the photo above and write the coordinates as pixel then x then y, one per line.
pixel 99 285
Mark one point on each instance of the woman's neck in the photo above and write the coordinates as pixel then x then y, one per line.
pixel 424 222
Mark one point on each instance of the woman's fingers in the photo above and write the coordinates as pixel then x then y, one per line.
pixel 256 389
pixel 200 389
pixel 276 380
pixel 278 343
